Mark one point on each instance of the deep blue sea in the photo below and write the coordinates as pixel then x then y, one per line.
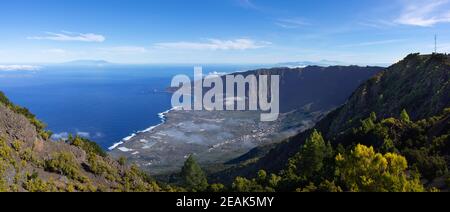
pixel 104 104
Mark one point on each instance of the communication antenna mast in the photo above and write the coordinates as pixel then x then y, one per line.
pixel 435 44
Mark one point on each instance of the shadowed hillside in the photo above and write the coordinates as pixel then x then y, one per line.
pixel 415 88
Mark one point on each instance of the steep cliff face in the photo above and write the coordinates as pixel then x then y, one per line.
pixel 30 162
pixel 318 88
pixel 419 84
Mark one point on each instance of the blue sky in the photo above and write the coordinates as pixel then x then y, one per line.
pixel 220 31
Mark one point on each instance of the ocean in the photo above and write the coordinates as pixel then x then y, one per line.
pixel 104 104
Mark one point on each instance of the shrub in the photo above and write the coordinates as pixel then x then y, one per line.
pixel 46 134
pixel 134 180
pixel 34 184
pixel 122 161
pixel 65 164
pixel 17 145
pixel 3 184
pixel 241 184
pixel 216 188
pixel 29 156
pixel 5 150
pixel 87 145
pixel 99 166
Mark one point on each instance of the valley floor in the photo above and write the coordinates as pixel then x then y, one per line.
pixel 213 137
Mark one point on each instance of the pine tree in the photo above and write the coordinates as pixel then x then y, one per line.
pixel 313 154
pixel 193 176
pixel 310 163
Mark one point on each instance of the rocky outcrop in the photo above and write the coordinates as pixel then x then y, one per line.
pixel 16 127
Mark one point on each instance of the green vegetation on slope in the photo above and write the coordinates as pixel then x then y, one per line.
pixel 40 126
pixel 401 111
pixel 77 164
pixel 418 83
pixel 393 135
pixel 31 173
pixel 88 146
pixel 354 166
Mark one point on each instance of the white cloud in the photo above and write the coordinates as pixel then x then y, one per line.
pixel 124 50
pixel 19 68
pixel 70 36
pixel 215 44
pixel 373 43
pixel 424 13
pixel 99 135
pixel 84 134
pixel 217 73
pixel 291 23
pixel 65 135
pixel 60 136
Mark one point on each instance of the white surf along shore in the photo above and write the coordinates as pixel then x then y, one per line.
pixel 162 116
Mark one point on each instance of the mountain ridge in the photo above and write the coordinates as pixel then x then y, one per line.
pixel 97 63
pixel 336 123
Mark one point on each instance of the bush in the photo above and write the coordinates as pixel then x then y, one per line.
pixel 122 161
pixel 5 150
pixel 3 183
pixel 64 163
pixel 17 145
pixel 134 180
pixel 241 184
pixel 87 145
pixel 34 184
pixel 29 156
pixel 216 188
pixel 100 167
pixel 46 134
